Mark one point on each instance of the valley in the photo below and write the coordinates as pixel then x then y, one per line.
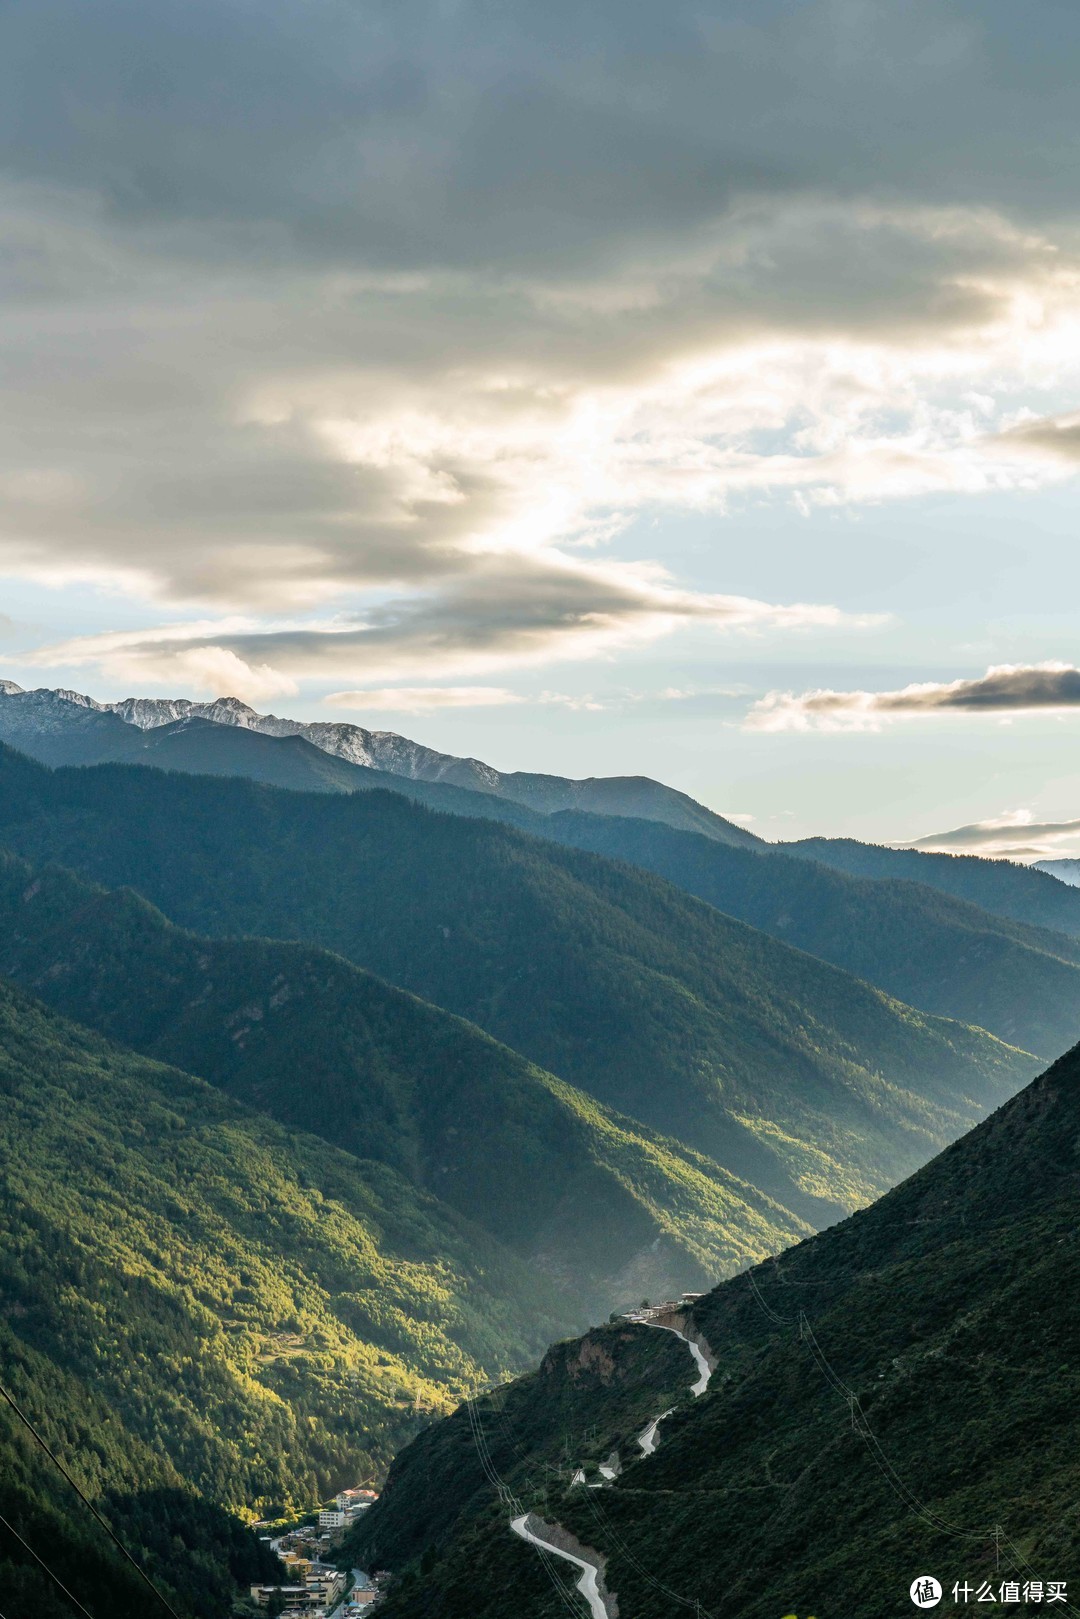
pixel 350 1096
pixel 870 1388
pixel 539 840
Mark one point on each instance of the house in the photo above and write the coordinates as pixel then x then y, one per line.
pixel 321 1588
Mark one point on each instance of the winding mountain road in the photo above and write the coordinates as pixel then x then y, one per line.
pixel 588 1584
pixel 591 1580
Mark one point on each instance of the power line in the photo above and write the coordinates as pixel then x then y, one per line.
pixel 604 1521
pixel 516 1507
pixel 25 1420
pixel 55 1578
pixel 861 1425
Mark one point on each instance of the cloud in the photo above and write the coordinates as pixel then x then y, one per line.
pixel 1004 689
pixel 1015 835
pixel 424 699
pixel 389 315
pixel 506 611
pixel 170 654
pixel 1056 437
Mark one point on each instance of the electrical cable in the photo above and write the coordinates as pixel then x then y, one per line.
pixel 55 1578
pixel 25 1420
pixel 861 1426
pixel 516 1507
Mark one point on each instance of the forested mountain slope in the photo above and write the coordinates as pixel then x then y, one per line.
pixel 1021 892
pixel 937 952
pixel 602 1206
pixel 199 747
pixel 194 1299
pixel 896 1396
pixel 198 1556
pixel 793 1075
pixel 61 727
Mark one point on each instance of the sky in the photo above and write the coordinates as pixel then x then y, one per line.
pixel 625 388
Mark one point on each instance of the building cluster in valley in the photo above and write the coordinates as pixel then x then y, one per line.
pixel 651 1312
pixel 313 1587
pixel 347 1507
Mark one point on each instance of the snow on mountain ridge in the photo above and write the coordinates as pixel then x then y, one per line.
pixel 641 797
pixel 379 750
pixel 77 697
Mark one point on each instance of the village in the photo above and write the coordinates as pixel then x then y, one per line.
pixel 315 1587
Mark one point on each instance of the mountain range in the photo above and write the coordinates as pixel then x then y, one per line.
pixel 345 1075
pixel 1066 871
pixel 325 1048
pixel 895 1396
pixel 982 941
pixel 792 1075
pixel 67 727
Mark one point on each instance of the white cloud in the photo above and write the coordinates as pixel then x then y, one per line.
pixel 1013 835
pixel 392 315
pixel 424 699
pixel 507 610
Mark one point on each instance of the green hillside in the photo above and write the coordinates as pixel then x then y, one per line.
pixel 896 1396
pixel 612 1211
pixel 794 1076
pixel 913 940
pixel 936 952
pixel 198 1555
pixel 1000 886
pixel 194 1299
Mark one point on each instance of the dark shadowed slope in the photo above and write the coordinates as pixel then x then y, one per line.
pixel 50 727
pixel 793 1075
pixel 198 747
pixel 899 1395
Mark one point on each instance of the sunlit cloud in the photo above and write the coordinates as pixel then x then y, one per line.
pixel 1053 438
pixel 424 699
pixel 506 611
pixel 1004 689
pixel 1014 835
pixel 433 305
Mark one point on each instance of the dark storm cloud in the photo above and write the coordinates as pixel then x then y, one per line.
pixel 430 133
